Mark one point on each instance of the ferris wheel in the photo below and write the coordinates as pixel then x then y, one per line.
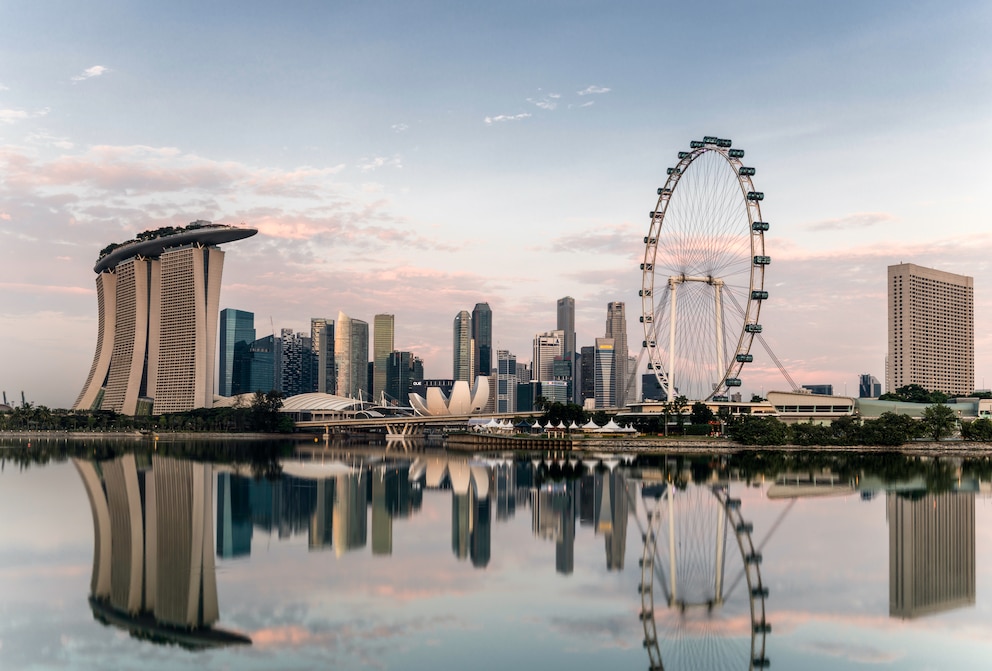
pixel 703 275
pixel 712 615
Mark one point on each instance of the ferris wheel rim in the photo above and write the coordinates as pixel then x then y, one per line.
pixel 730 366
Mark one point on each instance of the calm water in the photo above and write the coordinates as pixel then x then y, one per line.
pixel 116 557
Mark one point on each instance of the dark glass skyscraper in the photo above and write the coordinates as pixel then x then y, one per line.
pixel 237 332
pixel 482 334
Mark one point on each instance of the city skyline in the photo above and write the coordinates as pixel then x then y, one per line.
pixel 377 182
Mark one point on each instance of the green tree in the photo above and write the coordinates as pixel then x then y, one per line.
pixel 701 413
pixel 679 406
pixel 265 415
pixel 891 429
pixel 939 421
pixel 757 430
pixel 979 430
pixel 756 398
pixel 846 431
pixel 808 433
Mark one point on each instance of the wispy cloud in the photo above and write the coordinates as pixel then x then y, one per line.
pixel 376 162
pixel 490 120
pixel 548 102
pixel 10 115
pixel 89 73
pixel 592 90
pixel 856 220
pixel 400 127
pixel 3 88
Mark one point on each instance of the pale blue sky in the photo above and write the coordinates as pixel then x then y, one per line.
pixel 355 137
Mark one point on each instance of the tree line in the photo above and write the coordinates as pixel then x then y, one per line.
pixel 261 415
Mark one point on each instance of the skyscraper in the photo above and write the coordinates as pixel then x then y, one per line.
pixel 402 369
pixel 587 373
pixel 383 335
pixel 506 382
pixel 297 364
pixel 237 332
pixel 351 352
pixel 322 346
pixel 482 334
pixel 868 386
pixel 931 330
pixel 566 324
pixel 462 368
pixel 547 346
pixel 158 298
pixel 616 328
pixel 604 373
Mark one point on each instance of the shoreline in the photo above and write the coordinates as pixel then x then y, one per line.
pixel 476 443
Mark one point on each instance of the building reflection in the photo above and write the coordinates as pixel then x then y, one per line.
pixel 931 552
pixel 339 506
pixel 330 505
pixel 153 566
pixel 553 513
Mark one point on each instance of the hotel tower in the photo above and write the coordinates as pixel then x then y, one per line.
pixel 931 330
pixel 158 302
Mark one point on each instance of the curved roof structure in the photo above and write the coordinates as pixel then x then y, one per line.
pixel 318 401
pixel 213 234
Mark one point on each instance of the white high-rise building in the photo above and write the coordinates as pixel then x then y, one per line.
pixel 351 352
pixel 159 300
pixel 506 381
pixel 931 330
pixel 546 347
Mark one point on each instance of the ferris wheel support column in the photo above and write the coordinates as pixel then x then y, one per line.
pixel 718 303
pixel 673 283
pixel 721 541
pixel 671 546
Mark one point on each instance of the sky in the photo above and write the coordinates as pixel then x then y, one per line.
pixel 419 158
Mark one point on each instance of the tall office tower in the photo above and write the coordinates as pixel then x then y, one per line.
pixel 506 381
pixel 265 356
pixel 869 386
pixel 297 364
pixel 158 301
pixel 401 371
pixel 931 330
pixel 616 328
pixel 462 368
pixel 587 373
pixel 547 346
pixel 237 332
pixel 351 352
pixel 482 334
pixel 604 373
pixel 566 324
pixel 931 552
pixel 383 334
pixel 322 353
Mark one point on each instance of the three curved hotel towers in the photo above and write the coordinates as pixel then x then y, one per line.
pixel 159 299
